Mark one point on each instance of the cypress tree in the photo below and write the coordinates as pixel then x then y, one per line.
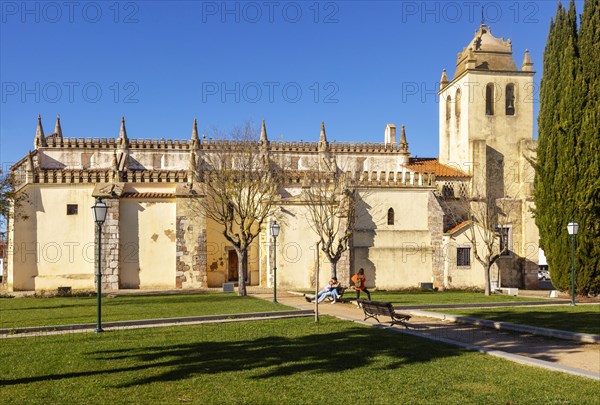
pixel 588 147
pixel 556 169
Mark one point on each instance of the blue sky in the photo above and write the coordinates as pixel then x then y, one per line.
pixel 355 65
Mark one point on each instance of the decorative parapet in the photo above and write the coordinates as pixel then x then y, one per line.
pixel 375 178
pixel 335 147
pixel 155 176
pixel 72 176
pixel 62 176
pixel 108 143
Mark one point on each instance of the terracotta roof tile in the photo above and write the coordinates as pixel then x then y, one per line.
pixel 432 165
pixel 460 226
pixel 147 195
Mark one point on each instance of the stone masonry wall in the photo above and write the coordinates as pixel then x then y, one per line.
pixel 110 247
pixel 436 223
pixel 191 247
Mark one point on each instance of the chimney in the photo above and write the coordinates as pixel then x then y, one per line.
pixel 390 134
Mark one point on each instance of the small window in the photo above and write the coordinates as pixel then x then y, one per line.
pixel 489 99
pixel 463 256
pixel 510 99
pixel 448 102
pixel 391 216
pixel 457 104
pixel 72 209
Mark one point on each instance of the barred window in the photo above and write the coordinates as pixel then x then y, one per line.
pixel 463 256
pixel 390 216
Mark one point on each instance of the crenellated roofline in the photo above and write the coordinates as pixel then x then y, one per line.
pixel 212 144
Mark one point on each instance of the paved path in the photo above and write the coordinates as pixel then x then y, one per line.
pixel 555 354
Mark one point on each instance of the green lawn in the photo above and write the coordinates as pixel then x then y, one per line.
pixel 581 318
pixel 21 312
pixel 441 297
pixel 270 362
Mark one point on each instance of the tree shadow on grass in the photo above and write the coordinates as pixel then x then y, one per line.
pixel 277 356
pixel 273 355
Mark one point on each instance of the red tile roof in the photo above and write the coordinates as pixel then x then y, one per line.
pixel 432 165
pixel 147 195
pixel 460 226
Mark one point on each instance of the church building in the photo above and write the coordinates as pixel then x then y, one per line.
pixel 403 235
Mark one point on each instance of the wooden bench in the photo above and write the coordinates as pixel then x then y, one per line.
pixel 373 309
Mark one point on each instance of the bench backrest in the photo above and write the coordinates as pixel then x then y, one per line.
pixel 377 307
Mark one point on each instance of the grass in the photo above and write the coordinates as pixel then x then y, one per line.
pixel 581 318
pixel 270 362
pixel 400 298
pixel 21 312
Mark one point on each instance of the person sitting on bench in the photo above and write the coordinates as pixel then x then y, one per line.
pixel 330 290
pixel 359 281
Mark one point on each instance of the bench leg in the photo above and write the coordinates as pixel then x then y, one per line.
pixel 371 316
pixel 400 323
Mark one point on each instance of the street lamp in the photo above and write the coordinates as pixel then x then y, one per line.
pixel 99 209
pixel 275 232
pixel 572 229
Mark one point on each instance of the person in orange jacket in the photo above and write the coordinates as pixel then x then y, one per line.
pixel 359 281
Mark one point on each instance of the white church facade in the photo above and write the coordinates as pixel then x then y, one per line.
pixel 403 235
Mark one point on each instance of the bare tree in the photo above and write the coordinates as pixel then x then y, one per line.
pixel 239 186
pixel 489 216
pixel 331 197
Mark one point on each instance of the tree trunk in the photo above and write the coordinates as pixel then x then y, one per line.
pixel 334 269
pixel 242 271
pixel 488 268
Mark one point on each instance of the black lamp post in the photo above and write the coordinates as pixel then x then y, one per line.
pixel 275 232
pixel 99 209
pixel 572 229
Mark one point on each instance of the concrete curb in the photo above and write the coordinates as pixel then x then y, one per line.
pixel 155 322
pixel 486 305
pixel 547 332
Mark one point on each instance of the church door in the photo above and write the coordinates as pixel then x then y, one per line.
pixel 232 266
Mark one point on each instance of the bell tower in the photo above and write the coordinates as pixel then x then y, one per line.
pixel 486 110
pixel 486 130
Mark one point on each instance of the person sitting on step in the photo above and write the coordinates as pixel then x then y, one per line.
pixel 330 290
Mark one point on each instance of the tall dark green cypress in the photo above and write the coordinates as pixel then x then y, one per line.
pixel 556 169
pixel 588 153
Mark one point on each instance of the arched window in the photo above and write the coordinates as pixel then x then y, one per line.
pixel 510 99
pixel 457 104
pixel 489 99
pixel 391 216
pixel 448 102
